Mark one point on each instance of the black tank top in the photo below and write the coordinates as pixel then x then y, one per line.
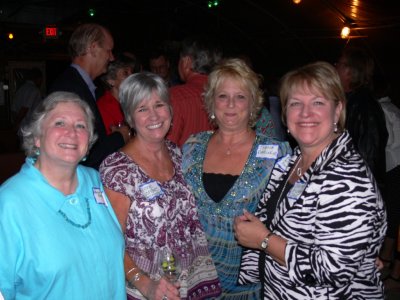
pixel 218 185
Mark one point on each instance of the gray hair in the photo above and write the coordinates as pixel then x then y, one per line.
pixel 33 128
pixel 204 54
pixel 83 36
pixel 138 87
pixel 120 62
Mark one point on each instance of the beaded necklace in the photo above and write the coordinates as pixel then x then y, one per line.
pixel 83 226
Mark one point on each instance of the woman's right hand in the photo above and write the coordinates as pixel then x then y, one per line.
pixel 161 289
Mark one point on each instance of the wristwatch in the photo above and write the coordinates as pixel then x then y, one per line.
pixel 264 243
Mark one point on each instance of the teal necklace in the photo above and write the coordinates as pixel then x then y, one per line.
pixel 83 226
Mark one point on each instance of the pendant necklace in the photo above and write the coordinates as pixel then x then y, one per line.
pixel 299 171
pixel 228 150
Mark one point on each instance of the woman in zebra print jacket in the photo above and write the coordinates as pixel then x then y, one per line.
pixel 318 228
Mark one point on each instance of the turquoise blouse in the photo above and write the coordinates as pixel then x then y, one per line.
pixel 55 246
pixel 217 218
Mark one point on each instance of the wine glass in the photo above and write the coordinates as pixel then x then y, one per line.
pixel 170 265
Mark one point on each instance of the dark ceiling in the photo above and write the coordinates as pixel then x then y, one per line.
pixel 276 34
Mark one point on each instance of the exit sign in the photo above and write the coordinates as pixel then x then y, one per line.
pixel 50 32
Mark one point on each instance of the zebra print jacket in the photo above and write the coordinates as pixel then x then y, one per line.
pixel 334 230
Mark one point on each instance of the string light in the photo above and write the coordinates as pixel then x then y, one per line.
pixel 10 36
pixel 91 12
pixel 212 3
pixel 345 32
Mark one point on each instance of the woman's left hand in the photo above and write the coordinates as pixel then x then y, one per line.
pixel 249 230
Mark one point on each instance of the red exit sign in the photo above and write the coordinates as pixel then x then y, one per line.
pixel 50 32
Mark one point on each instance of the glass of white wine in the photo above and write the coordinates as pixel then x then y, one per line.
pixel 170 267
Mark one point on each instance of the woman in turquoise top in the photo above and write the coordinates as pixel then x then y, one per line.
pixel 228 169
pixel 60 238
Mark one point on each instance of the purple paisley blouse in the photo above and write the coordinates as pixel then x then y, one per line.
pixel 161 214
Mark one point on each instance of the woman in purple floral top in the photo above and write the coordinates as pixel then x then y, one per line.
pixel 153 203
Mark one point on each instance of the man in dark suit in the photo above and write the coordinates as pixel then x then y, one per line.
pixel 90 48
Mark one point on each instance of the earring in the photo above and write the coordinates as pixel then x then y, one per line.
pixel 84 158
pixel 37 151
pixel 288 132
pixel 212 117
pixel 335 129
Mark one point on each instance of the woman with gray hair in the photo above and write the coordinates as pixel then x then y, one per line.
pixel 108 104
pixel 59 235
pixel 153 203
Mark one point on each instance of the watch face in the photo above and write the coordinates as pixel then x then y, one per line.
pixel 264 244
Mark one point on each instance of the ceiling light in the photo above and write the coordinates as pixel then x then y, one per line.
pixel 91 12
pixel 213 3
pixel 296 1
pixel 345 32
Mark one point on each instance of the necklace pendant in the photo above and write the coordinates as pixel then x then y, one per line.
pixel 298 172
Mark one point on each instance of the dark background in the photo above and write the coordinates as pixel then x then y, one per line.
pixel 276 35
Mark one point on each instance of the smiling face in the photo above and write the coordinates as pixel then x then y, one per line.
pixel 152 119
pixel 310 118
pixel 232 105
pixel 65 136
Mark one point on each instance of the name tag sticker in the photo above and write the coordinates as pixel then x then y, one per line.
pixel 151 190
pixel 267 151
pixel 283 163
pixel 296 191
pixel 99 196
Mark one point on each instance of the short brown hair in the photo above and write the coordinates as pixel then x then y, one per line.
pixel 83 36
pixel 319 76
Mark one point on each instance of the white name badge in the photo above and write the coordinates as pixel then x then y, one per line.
pixel 283 163
pixel 296 191
pixel 99 196
pixel 151 190
pixel 267 151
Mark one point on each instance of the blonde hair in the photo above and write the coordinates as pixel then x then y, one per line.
pixel 237 69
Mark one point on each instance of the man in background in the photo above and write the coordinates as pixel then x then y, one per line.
pixel 365 119
pixel 197 58
pixel 159 64
pixel 90 48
